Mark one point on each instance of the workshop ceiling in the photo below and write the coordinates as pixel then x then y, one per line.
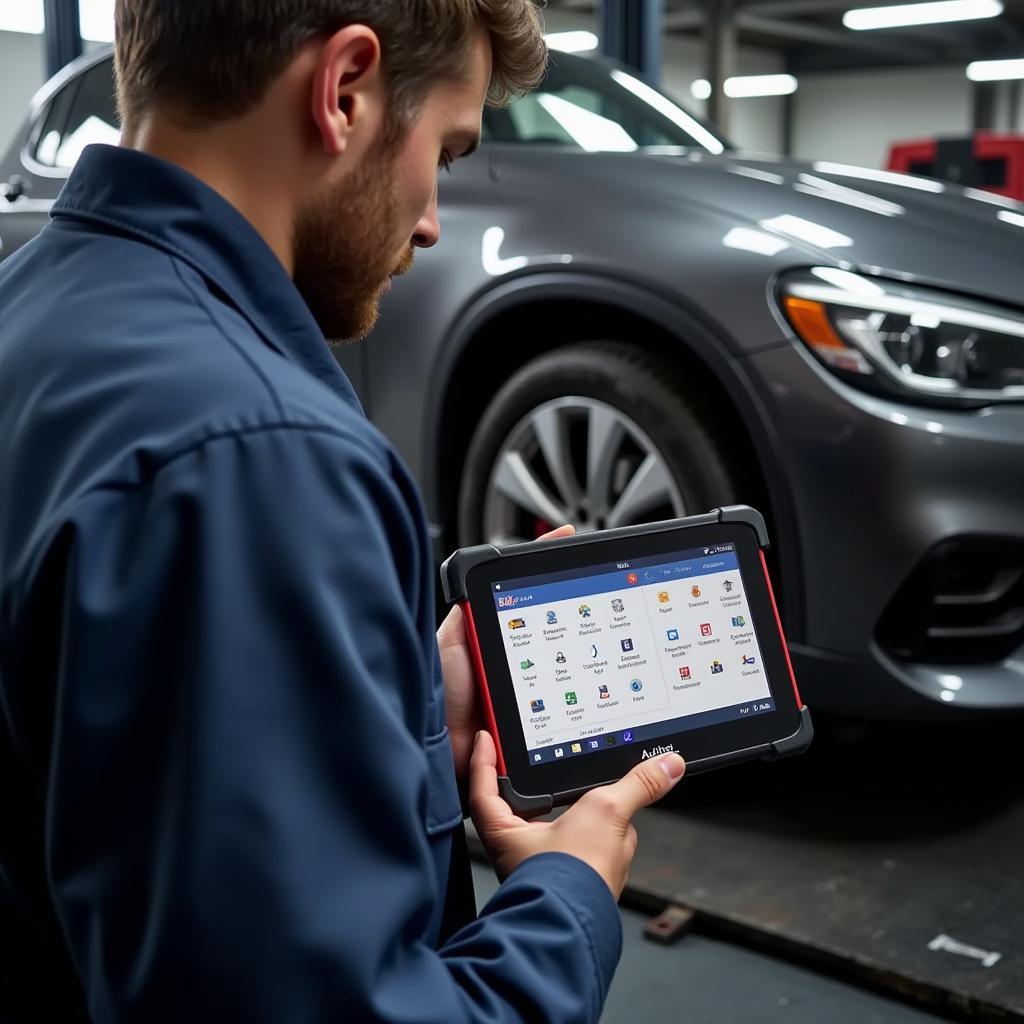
pixel 811 35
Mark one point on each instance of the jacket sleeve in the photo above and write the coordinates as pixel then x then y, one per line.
pixel 239 787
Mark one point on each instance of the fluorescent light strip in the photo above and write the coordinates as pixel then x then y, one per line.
pixel 995 70
pixel 748 86
pixel 97 20
pixel 806 231
pixel 867 18
pixel 572 42
pixel 1011 218
pixel 882 177
pixel 666 107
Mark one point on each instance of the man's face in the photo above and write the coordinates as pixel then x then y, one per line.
pixel 353 237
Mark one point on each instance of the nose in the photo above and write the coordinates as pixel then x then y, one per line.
pixel 428 230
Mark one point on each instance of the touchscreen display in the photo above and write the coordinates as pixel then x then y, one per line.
pixel 631 651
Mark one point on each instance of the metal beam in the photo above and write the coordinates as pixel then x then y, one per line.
pixel 631 32
pixel 799 31
pixel 63 34
pixel 720 58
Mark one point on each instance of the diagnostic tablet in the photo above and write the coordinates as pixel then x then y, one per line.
pixel 595 652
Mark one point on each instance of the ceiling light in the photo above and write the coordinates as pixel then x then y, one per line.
pixel 97 20
pixel 748 86
pixel 995 70
pixel 572 42
pixel 26 16
pixel 921 14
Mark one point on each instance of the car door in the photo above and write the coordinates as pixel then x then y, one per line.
pixel 78 112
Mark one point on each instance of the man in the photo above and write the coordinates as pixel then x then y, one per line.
pixel 230 793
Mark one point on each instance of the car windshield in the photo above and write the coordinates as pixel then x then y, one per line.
pixel 590 106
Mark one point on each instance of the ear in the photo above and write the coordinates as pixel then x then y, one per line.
pixel 348 89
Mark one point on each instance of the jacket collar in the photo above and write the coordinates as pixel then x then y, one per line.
pixel 164 206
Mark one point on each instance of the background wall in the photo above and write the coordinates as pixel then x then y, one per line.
pixel 852 117
pixel 22 71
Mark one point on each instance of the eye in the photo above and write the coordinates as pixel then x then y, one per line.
pixel 445 162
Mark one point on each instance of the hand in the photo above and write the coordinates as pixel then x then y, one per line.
pixel 597 829
pixel 465 715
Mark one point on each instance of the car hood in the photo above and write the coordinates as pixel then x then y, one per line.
pixel 914 229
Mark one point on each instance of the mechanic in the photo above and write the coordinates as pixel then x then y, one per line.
pixel 228 771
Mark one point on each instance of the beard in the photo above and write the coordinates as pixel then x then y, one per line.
pixel 341 262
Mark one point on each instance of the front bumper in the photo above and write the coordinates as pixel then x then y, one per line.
pixel 877 485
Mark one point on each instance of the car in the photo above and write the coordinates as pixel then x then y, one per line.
pixel 626 319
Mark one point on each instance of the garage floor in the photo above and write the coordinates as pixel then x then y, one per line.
pixel 705 981
pixel 821 878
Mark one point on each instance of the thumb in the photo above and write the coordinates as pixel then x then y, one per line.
pixel 486 805
pixel 647 783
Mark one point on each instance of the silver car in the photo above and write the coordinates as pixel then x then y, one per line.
pixel 627 320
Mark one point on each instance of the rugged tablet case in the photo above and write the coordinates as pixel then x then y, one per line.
pixel 454 574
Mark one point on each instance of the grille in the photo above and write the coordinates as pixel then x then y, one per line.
pixel 963 603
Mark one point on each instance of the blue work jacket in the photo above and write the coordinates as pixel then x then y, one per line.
pixel 226 780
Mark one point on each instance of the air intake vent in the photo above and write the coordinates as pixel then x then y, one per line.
pixel 963 603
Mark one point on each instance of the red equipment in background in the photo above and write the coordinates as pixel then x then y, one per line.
pixel 986 161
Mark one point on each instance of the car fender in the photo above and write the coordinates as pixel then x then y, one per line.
pixel 687 326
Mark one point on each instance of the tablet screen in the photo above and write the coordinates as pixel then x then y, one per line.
pixel 627 652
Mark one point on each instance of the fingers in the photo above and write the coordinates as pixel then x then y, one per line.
pixel 563 531
pixel 486 805
pixel 452 632
pixel 648 782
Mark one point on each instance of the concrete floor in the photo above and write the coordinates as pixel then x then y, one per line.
pixel 704 981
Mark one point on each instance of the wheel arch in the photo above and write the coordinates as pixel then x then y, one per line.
pixel 518 318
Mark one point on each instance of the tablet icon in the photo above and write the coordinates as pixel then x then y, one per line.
pixel 526 665
pixel 594 744
pixel 552 618
pixel 536 706
pixel 577 748
pixel 748 659
pixel 602 692
pixel 727 586
pixel 517 623
pixel 684 671
pixel 593 652
pixel 716 667
pixel 738 621
pixel 695 591
pixel 536 758
pixel 560 658
pixel 627 736
pixel 585 611
pixel 705 629
pixel 610 740
pixel 631 579
pixel 663 597
pixel 627 645
pixel 672 634
pixel 559 752
pixel 636 685
pixel 570 698
pixel 617 606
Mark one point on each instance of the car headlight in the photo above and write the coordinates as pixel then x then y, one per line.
pixel 912 341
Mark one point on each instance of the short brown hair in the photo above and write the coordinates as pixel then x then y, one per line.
pixel 212 60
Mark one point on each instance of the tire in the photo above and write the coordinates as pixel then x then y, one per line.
pixel 596 434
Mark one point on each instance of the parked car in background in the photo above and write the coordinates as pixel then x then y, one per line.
pixel 628 320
